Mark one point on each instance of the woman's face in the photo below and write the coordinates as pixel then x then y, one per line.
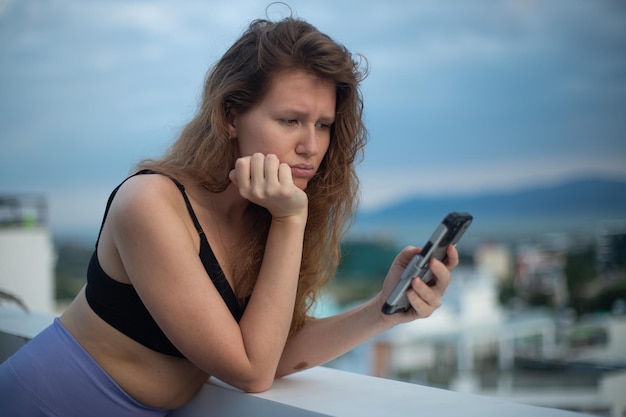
pixel 292 121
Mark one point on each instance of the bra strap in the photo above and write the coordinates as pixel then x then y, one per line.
pixel 180 186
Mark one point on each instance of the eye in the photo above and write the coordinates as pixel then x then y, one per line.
pixel 290 122
pixel 322 125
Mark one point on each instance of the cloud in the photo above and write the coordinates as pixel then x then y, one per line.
pixel 493 93
pixel 148 17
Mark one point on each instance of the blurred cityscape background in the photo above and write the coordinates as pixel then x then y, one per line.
pixel 536 311
pixel 512 111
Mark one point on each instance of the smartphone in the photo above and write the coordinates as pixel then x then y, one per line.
pixel 449 232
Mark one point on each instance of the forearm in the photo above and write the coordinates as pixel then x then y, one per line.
pixel 266 322
pixel 322 340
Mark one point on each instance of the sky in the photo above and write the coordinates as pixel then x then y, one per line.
pixel 462 96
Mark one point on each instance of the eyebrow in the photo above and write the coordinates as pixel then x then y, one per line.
pixel 300 114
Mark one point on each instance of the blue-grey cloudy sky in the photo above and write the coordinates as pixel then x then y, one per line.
pixel 462 96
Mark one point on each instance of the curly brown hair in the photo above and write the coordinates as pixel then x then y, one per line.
pixel 237 82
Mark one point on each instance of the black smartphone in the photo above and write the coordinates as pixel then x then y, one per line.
pixel 449 232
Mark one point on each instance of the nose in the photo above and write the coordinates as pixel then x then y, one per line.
pixel 308 143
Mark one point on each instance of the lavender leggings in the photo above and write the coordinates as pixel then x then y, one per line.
pixel 52 375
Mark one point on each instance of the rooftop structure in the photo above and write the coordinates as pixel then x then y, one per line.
pixel 27 256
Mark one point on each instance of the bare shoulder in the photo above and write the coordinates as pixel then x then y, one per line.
pixel 146 189
pixel 145 202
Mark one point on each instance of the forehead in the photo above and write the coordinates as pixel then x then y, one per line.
pixel 298 87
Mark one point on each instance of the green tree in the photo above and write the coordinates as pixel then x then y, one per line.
pixel 580 270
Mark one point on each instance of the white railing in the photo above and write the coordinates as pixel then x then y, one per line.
pixel 316 392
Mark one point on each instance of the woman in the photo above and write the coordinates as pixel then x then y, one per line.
pixel 209 258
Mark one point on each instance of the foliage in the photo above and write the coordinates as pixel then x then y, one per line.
pixel 71 269
pixel 365 260
pixel 580 271
pixel 604 300
pixel 506 292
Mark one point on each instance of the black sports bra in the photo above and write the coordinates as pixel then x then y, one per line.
pixel 119 305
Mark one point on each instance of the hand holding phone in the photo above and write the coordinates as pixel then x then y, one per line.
pixel 449 232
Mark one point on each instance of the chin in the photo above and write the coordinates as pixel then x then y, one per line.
pixel 301 184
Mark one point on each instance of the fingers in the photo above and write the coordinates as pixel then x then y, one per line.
pixel 255 172
pixel 426 299
pixel 405 256
pixel 257 169
pixel 441 277
pixel 284 174
pixel 423 298
pixel 452 257
pixel 264 180
pixel 241 174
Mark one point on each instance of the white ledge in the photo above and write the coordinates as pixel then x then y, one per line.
pixel 328 392
pixel 319 391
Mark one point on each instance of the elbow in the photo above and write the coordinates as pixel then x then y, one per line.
pixel 257 385
pixel 249 378
pixel 252 382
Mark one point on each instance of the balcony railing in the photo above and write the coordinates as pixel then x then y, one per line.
pixel 319 391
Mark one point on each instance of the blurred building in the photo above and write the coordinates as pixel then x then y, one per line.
pixel 473 344
pixel 495 258
pixel 27 255
pixel 611 246
pixel 539 273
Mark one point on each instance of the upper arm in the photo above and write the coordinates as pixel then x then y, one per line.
pixel 150 229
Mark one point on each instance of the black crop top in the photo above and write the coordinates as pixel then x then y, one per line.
pixel 119 305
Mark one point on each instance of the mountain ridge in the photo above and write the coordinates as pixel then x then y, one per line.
pixel 576 204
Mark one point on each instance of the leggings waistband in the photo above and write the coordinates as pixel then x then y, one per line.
pixel 58 373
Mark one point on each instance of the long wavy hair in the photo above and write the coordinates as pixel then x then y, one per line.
pixel 237 82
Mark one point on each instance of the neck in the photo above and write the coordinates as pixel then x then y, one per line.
pixel 228 206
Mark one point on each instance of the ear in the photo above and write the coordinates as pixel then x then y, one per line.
pixel 231 118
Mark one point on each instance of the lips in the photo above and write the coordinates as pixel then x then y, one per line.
pixel 302 170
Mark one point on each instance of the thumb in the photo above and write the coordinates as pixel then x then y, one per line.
pixel 405 256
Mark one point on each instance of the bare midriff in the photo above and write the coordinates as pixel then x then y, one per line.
pixel 151 378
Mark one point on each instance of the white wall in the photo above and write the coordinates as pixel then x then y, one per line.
pixel 27 261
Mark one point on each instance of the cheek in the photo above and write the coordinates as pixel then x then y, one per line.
pixel 249 135
pixel 324 147
pixel 249 142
